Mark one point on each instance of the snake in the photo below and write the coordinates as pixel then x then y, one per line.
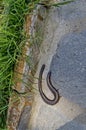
pixel 50 86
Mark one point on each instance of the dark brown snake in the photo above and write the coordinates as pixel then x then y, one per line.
pixel 50 86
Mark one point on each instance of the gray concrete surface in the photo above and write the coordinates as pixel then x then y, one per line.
pixel 68 67
pixel 23 122
pixel 63 50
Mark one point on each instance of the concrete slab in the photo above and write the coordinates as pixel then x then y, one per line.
pixel 68 67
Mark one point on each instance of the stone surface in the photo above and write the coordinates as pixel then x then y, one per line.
pixel 23 122
pixel 68 67
pixel 65 31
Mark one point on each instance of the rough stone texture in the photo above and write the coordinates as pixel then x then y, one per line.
pixel 23 123
pixel 65 32
pixel 68 67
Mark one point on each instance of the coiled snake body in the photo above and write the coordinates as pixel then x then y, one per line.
pixel 50 86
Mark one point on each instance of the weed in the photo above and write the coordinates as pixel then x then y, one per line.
pixel 11 37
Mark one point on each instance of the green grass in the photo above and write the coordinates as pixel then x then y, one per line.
pixel 12 39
